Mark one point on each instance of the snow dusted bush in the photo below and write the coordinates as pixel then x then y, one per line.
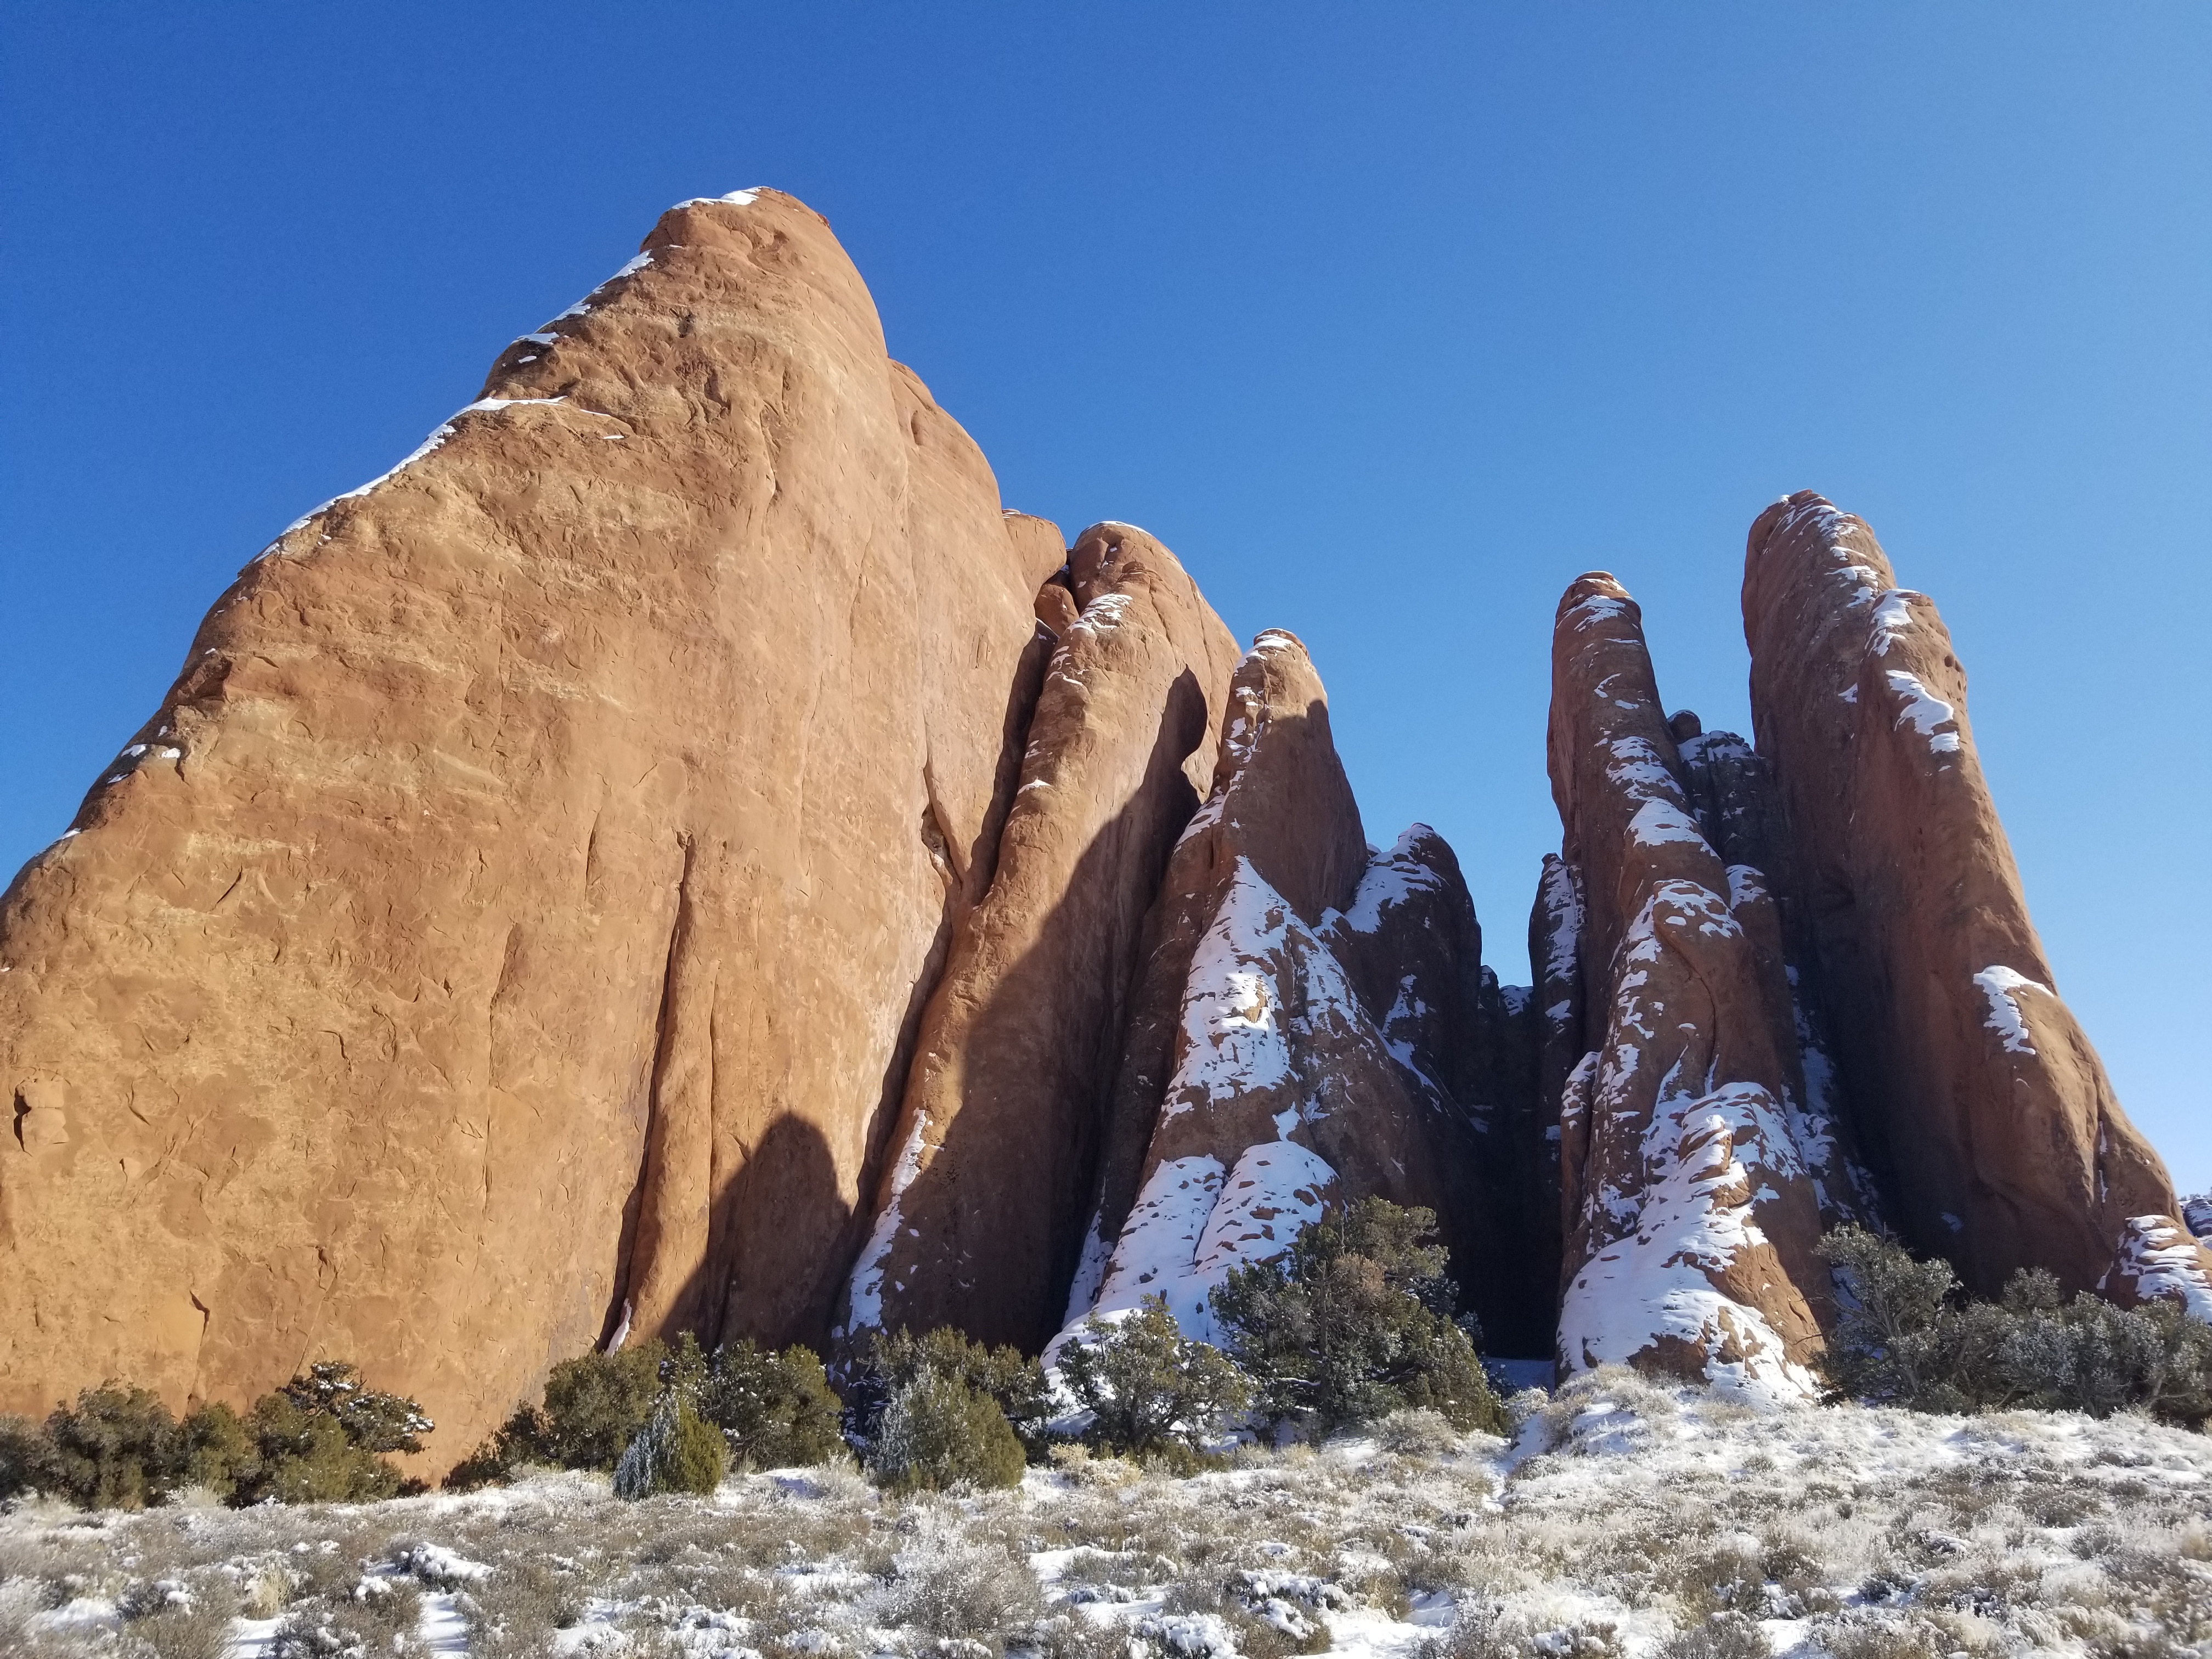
pixel 1355 1321
pixel 776 1409
pixel 1149 1388
pixel 676 1451
pixel 1016 1381
pixel 1723 1636
pixel 1905 1337
pixel 956 1588
pixel 940 1433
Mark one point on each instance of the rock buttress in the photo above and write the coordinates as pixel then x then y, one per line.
pixel 980 1214
pixel 1688 1211
pixel 519 907
pixel 1979 1100
pixel 1257 1083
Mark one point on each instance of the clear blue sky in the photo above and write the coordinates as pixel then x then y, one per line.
pixel 1390 319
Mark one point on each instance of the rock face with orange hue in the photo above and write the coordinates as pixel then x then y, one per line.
pixel 1982 1109
pixel 519 911
pixel 1258 1081
pixel 980 1214
pixel 1690 1213
pixel 675 855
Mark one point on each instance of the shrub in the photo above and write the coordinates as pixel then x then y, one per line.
pixel 938 1431
pixel 777 1409
pixel 1016 1381
pixel 319 1438
pixel 302 1455
pixel 116 1447
pixel 597 1403
pixel 1905 1338
pixel 374 1421
pixel 1354 1322
pixel 676 1451
pixel 1723 1636
pixel 219 1449
pixel 1149 1388
pixel 519 1440
pixel 22 1447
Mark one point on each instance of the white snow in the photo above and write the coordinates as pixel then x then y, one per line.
pixel 2164 1261
pixel 1659 822
pixel 1232 1041
pixel 2000 988
pixel 1892 615
pixel 1389 881
pixel 864 1297
pixel 735 198
pixel 1923 711
pixel 1693 1221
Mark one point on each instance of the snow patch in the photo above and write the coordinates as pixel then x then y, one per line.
pixel 2000 988
pixel 1923 711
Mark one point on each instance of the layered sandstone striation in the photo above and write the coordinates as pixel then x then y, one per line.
pixel 1978 1098
pixel 1690 1212
pixel 510 929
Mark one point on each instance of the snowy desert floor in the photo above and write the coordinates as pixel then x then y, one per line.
pixel 1623 1518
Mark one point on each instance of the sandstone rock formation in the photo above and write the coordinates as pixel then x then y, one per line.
pixel 1257 1082
pixel 519 910
pixel 2160 1259
pixel 981 1215
pixel 1690 1215
pixel 674 855
pixel 1980 1102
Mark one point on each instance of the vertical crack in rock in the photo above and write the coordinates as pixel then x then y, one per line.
pixel 581 615
pixel 977 1221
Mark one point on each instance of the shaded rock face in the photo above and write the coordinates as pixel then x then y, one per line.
pixel 1690 1212
pixel 1977 1097
pixel 980 1214
pixel 511 925
pixel 1276 1059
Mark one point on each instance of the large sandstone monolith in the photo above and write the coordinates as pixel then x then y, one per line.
pixel 980 1214
pixel 1256 1084
pixel 511 927
pixel 1689 1212
pixel 1978 1098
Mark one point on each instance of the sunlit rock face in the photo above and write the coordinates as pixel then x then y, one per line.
pixel 1976 1096
pixel 1687 1156
pixel 676 855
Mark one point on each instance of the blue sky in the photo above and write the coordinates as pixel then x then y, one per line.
pixel 1390 319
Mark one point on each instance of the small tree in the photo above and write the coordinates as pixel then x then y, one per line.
pixel 938 1431
pixel 1905 1338
pixel 374 1421
pixel 1354 1322
pixel 1149 1388
pixel 777 1408
pixel 1015 1381
pixel 677 1451
pixel 596 1404
pixel 116 1447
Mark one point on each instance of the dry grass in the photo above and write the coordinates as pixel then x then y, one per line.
pixel 1629 1521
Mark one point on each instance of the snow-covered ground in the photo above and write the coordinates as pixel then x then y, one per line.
pixel 1623 1518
